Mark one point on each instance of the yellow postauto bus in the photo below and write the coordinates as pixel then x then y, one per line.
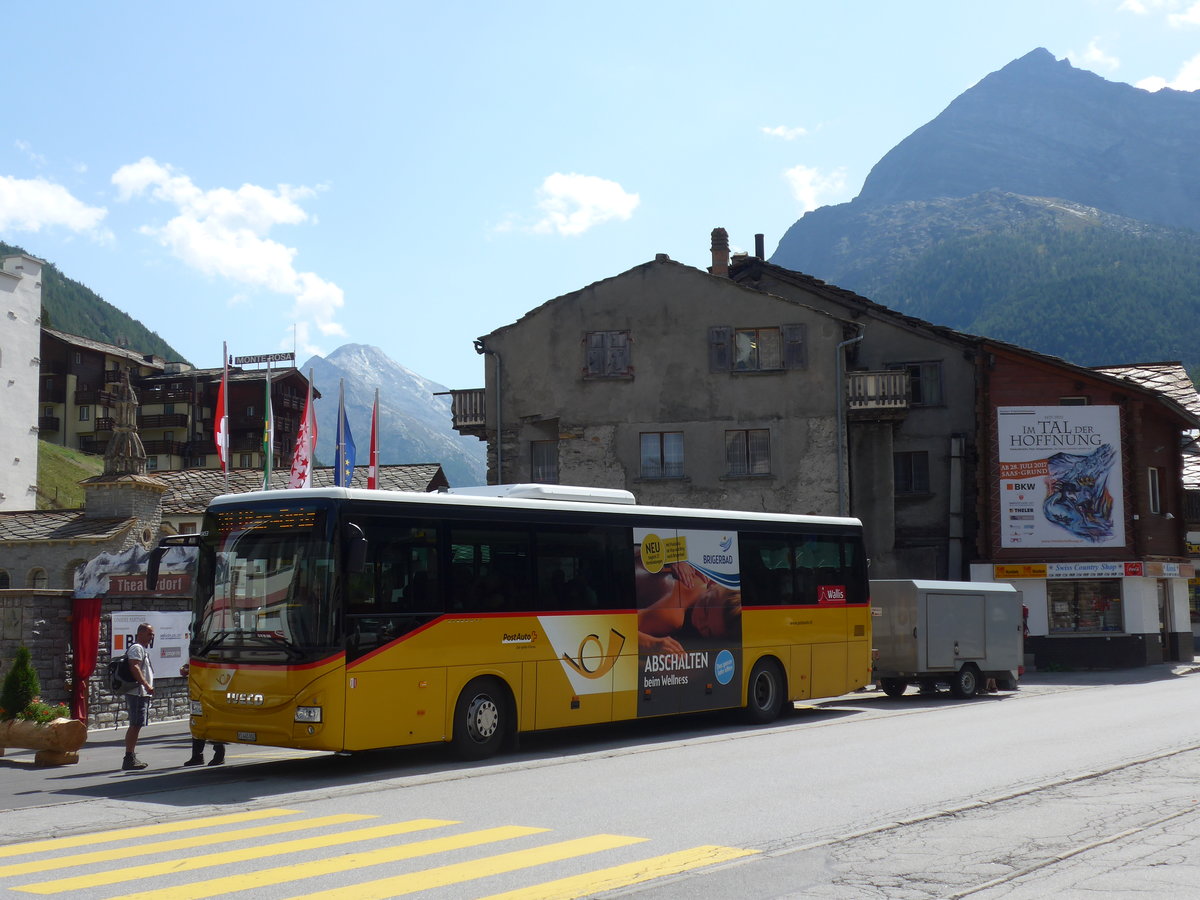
pixel 345 619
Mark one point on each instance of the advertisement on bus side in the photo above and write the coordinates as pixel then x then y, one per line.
pixel 689 603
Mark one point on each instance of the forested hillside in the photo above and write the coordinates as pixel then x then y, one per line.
pixel 1092 296
pixel 75 308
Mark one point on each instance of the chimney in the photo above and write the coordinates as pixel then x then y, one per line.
pixel 720 253
pixel 758 247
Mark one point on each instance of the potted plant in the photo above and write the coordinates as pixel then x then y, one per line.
pixel 28 722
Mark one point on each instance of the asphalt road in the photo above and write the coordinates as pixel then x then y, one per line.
pixel 1082 783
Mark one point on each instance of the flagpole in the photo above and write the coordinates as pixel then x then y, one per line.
pixel 373 468
pixel 225 412
pixel 312 433
pixel 268 434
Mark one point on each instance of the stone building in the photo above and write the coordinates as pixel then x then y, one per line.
pixel 20 327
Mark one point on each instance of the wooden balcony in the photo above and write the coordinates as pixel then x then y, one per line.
pixel 877 394
pixel 468 410
pixel 48 424
pixel 170 420
pixel 174 448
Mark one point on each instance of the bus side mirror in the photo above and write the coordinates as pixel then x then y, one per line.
pixel 356 548
pixel 156 555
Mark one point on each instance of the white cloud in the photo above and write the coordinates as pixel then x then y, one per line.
pixel 787 132
pixel 224 232
pixel 1094 58
pixel 1190 16
pixel 571 204
pixel 811 187
pixel 1187 79
pixel 33 204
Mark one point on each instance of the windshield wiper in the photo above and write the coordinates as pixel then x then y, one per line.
pixel 215 641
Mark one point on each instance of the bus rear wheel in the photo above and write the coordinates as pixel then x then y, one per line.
pixel 481 719
pixel 764 693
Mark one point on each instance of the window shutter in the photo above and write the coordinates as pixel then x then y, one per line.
pixel 795 350
pixel 720 338
pixel 618 353
pixel 595 353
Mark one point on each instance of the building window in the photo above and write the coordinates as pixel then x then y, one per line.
pixel 5 580
pixel 48 412
pixel 187 527
pixel 1072 401
pixel 1155 495
pixel 606 354
pixel 543 462
pixel 168 409
pixel 36 579
pixel 85 413
pixel 756 349
pixel 924 382
pixel 245 460
pixel 748 452
pixel 78 358
pixel 662 454
pixel 911 472
pixel 1085 606
pixel 249 411
pixel 151 463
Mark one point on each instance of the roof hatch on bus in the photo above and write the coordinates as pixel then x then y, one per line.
pixel 574 493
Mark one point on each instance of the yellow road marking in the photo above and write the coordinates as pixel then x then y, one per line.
pixel 204 840
pixel 349 862
pixel 625 875
pixel 138 831
pixel 456 873
pixel 116 876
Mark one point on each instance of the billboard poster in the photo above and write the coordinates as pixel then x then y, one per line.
pixel 172 634
pixel 1060 477
pixel 689 603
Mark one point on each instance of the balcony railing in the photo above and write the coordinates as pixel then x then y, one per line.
pixel 103 398
pixel 468 410
pixel 168 420
pixel 174 448
pixel 48 424
pixel 164 396
pixel 877 391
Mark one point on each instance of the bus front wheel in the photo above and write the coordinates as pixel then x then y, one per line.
pixel 481 719
pixel 764 693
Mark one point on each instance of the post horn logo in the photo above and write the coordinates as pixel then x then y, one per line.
pixel 583 664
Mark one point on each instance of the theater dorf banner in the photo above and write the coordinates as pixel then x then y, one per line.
pixel 1060 477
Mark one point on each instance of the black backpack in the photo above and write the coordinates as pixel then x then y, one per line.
pixel 120 679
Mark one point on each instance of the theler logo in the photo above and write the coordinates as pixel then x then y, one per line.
pixel 584 666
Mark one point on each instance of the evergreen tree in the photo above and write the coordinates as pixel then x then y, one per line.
pixel 21 685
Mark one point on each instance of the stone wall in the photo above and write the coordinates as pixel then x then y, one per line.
pixel 41 621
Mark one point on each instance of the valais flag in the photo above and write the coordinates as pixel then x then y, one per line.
pixel 373 467
pixel 306 445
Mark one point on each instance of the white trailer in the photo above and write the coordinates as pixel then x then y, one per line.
pixel 956 632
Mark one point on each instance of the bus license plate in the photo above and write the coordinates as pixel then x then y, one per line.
pixel 247 736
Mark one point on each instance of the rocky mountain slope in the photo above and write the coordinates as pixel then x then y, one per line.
pixel 414 423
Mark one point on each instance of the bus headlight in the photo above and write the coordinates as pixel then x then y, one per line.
pixel 308 714
pixel 196 707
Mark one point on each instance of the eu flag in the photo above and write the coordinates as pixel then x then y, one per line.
pixel 343 460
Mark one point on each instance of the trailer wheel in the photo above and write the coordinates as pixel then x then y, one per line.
pixel 965 683
pixel 764 693
pixel 1006 684
pixel 893 687
pixel 482 718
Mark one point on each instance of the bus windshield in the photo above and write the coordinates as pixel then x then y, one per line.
pixel 265 586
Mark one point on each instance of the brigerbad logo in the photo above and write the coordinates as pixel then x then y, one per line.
pixel 592 660
pixel 723 667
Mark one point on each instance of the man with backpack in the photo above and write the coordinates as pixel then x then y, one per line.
pixel 137 699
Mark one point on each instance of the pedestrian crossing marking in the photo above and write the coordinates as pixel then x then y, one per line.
pixel 205 840
pixel 140 831
pixel 208 860
pixel 350 862
pixel 181 842
pixel 625 875
pixel 457 873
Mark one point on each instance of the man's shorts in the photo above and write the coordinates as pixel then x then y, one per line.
pixel 139 709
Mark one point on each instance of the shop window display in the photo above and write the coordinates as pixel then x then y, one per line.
pixel 1085 607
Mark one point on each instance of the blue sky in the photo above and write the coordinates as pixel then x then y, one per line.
pixel 305 175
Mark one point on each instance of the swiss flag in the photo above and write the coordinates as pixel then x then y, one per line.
pixel 222 429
